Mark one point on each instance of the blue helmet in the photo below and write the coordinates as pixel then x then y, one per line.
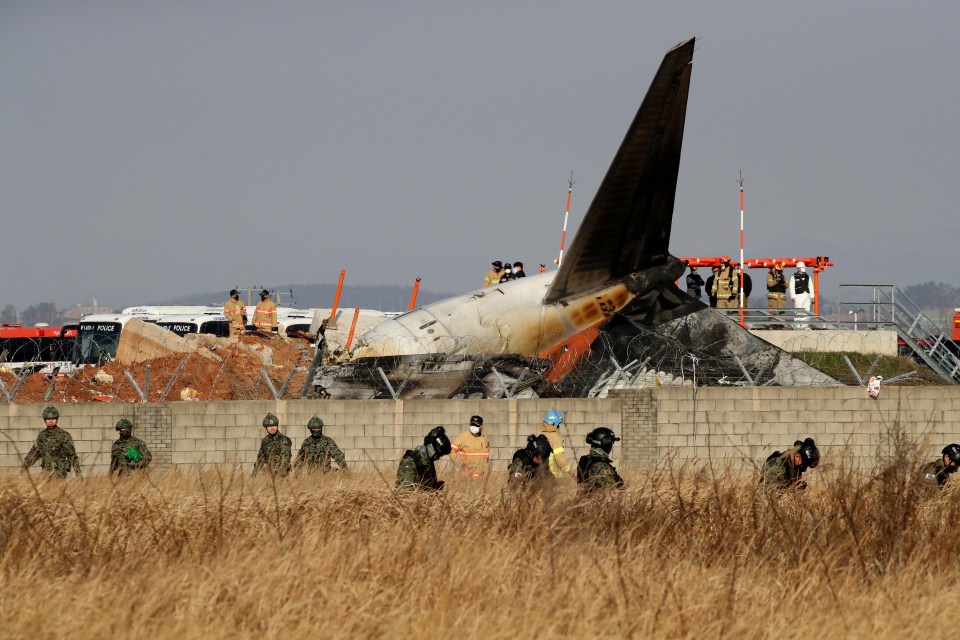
pixel 554 417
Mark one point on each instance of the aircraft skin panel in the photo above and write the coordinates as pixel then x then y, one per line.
pixel 507 318
pixel 627 226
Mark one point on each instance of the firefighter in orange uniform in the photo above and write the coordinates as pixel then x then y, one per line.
pixel 265 315
pixel 470 451
pixel 550 427
pixel 236 313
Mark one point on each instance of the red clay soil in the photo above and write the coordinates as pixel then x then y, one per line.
pixel 238 377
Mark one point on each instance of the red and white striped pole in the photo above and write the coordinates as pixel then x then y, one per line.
pixel 566 214
pixel 742 324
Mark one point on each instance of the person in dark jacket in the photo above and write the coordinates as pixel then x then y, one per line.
pixel 747 288
pixel 785 470
pixel 708 287
pixel 940 470
pixel 417 471
pixel 694 283
pixel 518 271
pixel 595 471
pixel 529 466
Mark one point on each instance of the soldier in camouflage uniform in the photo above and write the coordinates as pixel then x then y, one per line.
pixel 128 454
pixel 317 450
pixel 275 449
pixel 529 466
pixel 595 471
pixel 784 470
pixel 416 471
pixel 939 470
pixel 54 448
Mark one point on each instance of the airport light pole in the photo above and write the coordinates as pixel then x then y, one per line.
pixel 566 214
pixel 742 323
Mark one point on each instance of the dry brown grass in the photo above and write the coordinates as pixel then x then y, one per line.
pixel 217 554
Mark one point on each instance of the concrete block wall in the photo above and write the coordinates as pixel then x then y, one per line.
pixel 746 424
pixel 662 425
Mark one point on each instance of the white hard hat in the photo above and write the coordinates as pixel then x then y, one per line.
pixel 801 265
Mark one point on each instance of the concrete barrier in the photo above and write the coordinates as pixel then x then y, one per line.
pixel 661 425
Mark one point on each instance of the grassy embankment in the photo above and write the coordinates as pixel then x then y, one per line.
pixel 217 554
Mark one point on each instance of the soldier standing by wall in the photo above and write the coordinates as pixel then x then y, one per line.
pixel 236 313
pixel 318 450
pixel 54 448
pixel 471 450
pixel 128 454
pixel 417 471
pixel 595 470
pixel 275 449
pixel 265 315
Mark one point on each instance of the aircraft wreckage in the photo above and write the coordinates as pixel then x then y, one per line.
pixel 611 314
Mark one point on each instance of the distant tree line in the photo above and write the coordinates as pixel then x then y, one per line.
pixel 937 299
pixel 42 312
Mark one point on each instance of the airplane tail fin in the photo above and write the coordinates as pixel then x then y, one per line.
pixel 627 226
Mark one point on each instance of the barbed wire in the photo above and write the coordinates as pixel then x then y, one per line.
pixel 697 349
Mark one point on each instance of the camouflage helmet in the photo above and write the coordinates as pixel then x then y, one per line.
pixel 123 423
pixel 952 451
pixel 809 454
pixel 602 437
pixel 437 443
pixel 539 446
pixel 270 420
pixel 315 423
pixel 51 413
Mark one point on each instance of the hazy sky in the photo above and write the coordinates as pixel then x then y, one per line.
pixel 152 149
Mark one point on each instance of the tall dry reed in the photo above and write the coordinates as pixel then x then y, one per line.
pixel 692 553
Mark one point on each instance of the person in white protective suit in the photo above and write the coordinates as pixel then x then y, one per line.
pixel 801 289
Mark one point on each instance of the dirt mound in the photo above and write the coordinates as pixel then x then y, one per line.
pixel 234 374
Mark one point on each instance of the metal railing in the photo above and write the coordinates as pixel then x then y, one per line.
pixel 875 306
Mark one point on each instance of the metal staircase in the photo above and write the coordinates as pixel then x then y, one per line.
pixel 891 307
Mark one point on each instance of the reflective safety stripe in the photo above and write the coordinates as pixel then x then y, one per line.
pixel 558 450
pixel 483 454
pixel 455 447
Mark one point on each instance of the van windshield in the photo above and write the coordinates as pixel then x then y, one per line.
pixel 96 342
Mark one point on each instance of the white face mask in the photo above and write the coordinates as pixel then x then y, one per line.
pixel 474 430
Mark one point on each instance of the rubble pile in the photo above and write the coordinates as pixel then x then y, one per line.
pixel 210 369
